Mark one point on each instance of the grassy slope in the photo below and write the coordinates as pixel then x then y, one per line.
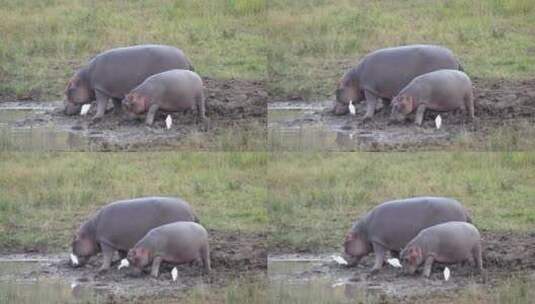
pixel 44 197
pixel 43 42
pixel 314 197
pixel 312 42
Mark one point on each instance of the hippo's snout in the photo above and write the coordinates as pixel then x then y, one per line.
pixel 71 108
pixel 340 108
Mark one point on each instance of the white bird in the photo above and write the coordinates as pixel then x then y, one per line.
pixel 73 285
pixel 338 259
pixel 168 122
pixel 438 121
pixel 85 109
pixel 74 260
pixel 124 263
pixel 446 273
pixel 352 108
pixel 394 262
pixel 338 284
pixel 174 273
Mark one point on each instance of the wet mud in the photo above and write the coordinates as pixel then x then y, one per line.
pixel 502 106
pixel 505 256
pixel 234 107
pixel 234 256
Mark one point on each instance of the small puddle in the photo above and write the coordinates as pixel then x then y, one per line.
pixel 307 126
pixel 319 279
pixel 21 283
pixel 14 135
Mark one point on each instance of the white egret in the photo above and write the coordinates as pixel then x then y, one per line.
pixel 394 262
pixel 174 273
pixel 338 259
pixel 168 122
pixel 85 109
pixel 438 121
pixel 74 260
pixel 124 263
pixel 352 108
pixel 446 273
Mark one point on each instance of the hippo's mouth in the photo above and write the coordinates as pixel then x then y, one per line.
pixel 71 108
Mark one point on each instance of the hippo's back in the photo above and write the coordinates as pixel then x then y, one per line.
pixel 123 223
pixel 395 223
pixel 386 71
pixel 117 71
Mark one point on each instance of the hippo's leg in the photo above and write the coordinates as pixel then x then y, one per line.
pixel 427 266
pixel 107 253
pixel 201 107
pixel 371 103
pixel 205 257
pixel 117 105
pixel 102 101
pixel 155 270
pixel 379 251
pixel 151 113
pixel 476 252
pixel 420 114
pixel 469 105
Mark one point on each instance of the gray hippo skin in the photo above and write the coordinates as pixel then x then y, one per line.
pixel 383 73
pixel 176 243
pixel 448 243
pixel 391 225
pixel 170 91
pixel 118 226
pixel 442 90
pixel 114 73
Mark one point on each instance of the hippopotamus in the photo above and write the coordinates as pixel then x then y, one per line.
pixel 114 73
pixel 441 90
pixel 383 73
pixel 118 226
pixel 448 243
pixel 171 91
pixel 391 225
pixel 177 243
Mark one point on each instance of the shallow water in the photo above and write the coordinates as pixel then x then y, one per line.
pixel 21 283
pixel 307 126
pixel 47 136
pixel 317 279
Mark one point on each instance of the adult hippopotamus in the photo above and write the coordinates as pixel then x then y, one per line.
pixel 383 73
pixel 118 226
pixel 441 90
pixel 170 91
pixel 391 225
pixel 177 243
pixel 448 243
pixel 114 73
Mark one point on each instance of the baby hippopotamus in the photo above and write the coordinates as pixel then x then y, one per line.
pixel 391 225
pixel 442 90
pixel 118 226
pixel 177 243
pixel 170 91
pixel 451 242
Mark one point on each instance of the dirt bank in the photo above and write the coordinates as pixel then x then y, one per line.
pixel 233 256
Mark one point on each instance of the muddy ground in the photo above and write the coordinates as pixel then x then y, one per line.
pixel 500 103
pixel 505 254
pixel 233 256
pixel 232 106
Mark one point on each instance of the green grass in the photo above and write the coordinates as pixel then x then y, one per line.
pixel 312 42
pixel 314 197
pixel 44 197
pixel 44 42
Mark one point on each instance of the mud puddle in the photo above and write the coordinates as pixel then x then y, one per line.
pixel 509 260
pixel 501 107
pixel 235 258
pixel 236 110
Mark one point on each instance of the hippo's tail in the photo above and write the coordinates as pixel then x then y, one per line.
pixel 196 219
pixel 468 218
pixel 461 68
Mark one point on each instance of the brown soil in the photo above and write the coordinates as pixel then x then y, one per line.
pixel 234 104
pixel 233 256
pixel 505 254
pixel 500 104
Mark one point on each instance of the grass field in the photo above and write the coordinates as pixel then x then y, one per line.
pixel 312 42
pixel 314 197
pixel 44 42
pixel 44 197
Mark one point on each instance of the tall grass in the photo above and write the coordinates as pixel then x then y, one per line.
pixel 312 42
pixel 43 42
pixel 314 197
pixel 45 197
